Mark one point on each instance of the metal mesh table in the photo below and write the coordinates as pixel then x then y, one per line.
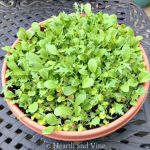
pixel 13 134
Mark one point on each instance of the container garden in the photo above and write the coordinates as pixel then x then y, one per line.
pixel 142 3
pixel 83 103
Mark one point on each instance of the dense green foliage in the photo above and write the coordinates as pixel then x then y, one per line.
pixel 79 73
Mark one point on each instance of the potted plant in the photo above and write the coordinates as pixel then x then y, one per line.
pixel 142 3
pixel 76 77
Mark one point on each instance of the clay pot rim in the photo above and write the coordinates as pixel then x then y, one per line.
pixel 75 135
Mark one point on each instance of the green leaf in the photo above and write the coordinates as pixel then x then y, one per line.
pixel 49 130
pixel 61 99
pixel 112 110
pixel 63 111
pixel 75 82
pixel 42 43
pixel 8 49
pixel 31 93
pixel 77 110
pixel 87 106
pixel 30 34
pixel 50 98
pixel 22 34
pixel 40 85
pixel 140 91
pixel 119 109
pixel 87 8
pixel 101 52
pixel 83 71
pixel 102 115
pixel 43 73
pixel 139 38
pixel 50 84
pixel 95 121
pixel 80 98
pixel 34 61
pixel 33 58
pixel 69 90
pixel 33 107
pixel 24 46
pixel 126 52
pixel 52 49
pixel 133 102
pixel 125 87
pixel 92 64
pixel 35 26
pixel 87 82
pixel 80 127
pixel 76 6
pixel 51 119
pixel 144 76
pixel 132 82
pixel 9 94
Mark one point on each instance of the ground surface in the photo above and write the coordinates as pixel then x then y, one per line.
pixel 147 10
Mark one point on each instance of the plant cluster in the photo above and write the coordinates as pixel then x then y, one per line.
pixel 75 72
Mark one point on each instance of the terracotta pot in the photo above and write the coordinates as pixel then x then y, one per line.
pixel 74 135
